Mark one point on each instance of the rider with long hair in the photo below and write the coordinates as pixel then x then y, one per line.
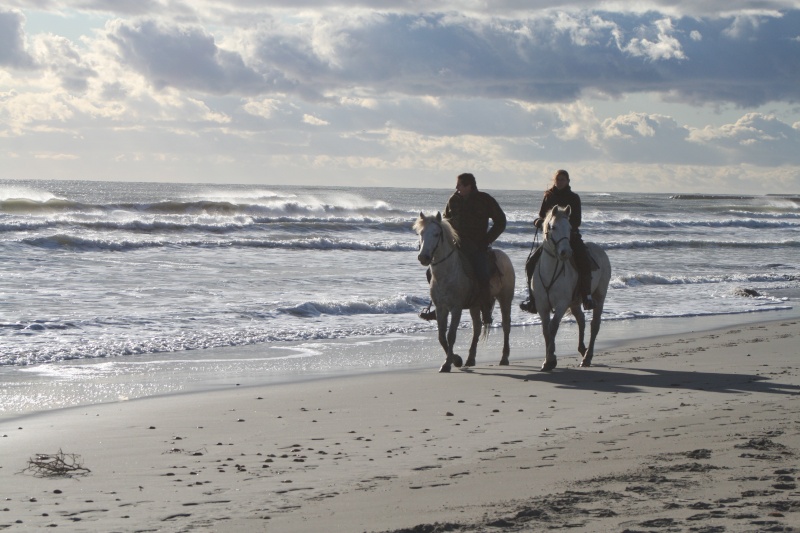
pixel 560 194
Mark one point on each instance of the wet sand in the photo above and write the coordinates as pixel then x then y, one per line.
pixel 696 431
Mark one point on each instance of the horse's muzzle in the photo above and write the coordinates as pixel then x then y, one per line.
pixel 424 259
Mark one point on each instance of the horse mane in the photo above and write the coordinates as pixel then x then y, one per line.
pixel 450 232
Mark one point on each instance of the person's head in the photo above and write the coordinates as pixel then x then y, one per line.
pixel 561 179
pixel 465 184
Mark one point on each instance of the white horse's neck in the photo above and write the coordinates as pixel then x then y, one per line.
pixel 551 266
pixel 447 269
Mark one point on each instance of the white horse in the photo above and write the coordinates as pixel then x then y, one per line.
pixel 452 288
pixel 555 284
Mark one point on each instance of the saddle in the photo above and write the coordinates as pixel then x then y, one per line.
pixel 474 291
pixel 467 264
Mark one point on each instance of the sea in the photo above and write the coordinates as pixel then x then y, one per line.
pixel 113 291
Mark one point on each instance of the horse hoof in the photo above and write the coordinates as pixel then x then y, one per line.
pixel 586 363
pixel 470 361
pixel 457 361
pixel 504 361
pixel 547 366
pixel 444 368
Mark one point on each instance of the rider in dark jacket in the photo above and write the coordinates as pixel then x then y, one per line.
pixel 560 194
pixel 469 211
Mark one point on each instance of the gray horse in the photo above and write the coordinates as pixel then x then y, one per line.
pixel 555 283
pixel 451 287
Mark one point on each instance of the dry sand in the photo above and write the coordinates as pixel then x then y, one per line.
pixel 697 432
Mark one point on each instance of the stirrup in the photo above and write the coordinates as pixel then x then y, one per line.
pixel 428 314
pixel 588 303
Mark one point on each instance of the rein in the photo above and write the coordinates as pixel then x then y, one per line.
pixel 438 242
pixel 557 272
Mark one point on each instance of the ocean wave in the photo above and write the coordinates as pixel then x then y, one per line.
pixel 214 224
pixel 325 243
pixel 746 223
pixel 666 244
pixel 400 305
pixel 710 197
pixel 84 244
pixel 158 235
pixel 647 278
pixel 272 206
pixel 766 214
pixel 89 244
pixel 36 326
pixel 51 205
pixel 694 243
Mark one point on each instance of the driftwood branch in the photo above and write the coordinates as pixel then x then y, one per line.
pixel 57 465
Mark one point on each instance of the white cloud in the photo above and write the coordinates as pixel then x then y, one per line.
pixel 217 86
pixel 314 121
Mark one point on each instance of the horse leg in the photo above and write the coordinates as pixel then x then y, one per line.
pixel 505 311
pixel 450 340
pixel 595 329
pixel 549 360
pixel 552 329
pixel 475 313
pixel 441 323
pixel 580 319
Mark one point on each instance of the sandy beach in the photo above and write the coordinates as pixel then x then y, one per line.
pixel 691 432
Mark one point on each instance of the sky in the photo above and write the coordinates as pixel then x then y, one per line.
pixel 635 96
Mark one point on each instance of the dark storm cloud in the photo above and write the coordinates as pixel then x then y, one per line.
pixel 747 60
pixel 555 58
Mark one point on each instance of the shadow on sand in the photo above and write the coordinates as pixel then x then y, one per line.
pixel 602 378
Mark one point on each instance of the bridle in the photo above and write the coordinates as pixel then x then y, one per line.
pixel 439 241
pixel 557 272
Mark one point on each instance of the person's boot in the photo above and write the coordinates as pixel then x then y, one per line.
pixel 428 314
pixel 588 303
pixel 529 305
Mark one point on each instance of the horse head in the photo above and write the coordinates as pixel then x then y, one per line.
pixel 557 231
pixel 434 232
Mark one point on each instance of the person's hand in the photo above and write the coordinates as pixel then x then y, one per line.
pixel 538 223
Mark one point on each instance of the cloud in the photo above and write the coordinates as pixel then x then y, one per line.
pixel 547 56
pixel 12 42
pixel 550 57
pixel 755 138
pixel 184 58
pixel 59 56
pixel 510 88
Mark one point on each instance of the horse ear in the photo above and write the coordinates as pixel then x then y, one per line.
pixel 421 215
pixel 568 210
pixel 438 216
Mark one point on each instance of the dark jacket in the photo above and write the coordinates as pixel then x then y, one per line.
pixel 563 198
pixel 470 218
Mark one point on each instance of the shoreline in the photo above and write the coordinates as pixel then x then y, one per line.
pixel 696 429
pixel 28 391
